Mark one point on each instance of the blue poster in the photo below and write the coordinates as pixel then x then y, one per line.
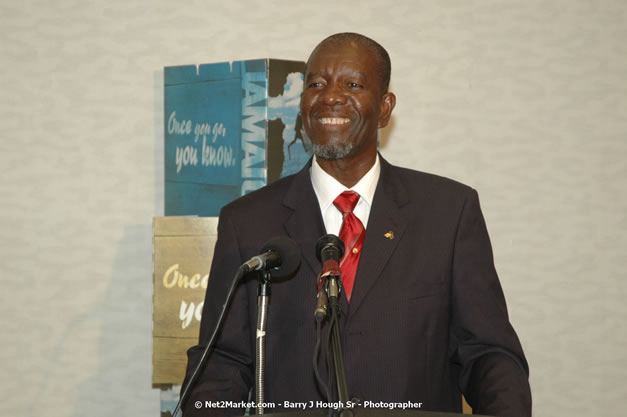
pixel 230 128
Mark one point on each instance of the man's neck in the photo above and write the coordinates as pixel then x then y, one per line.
pixel 347 171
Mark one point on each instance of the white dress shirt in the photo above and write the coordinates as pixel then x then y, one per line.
pixel 328 188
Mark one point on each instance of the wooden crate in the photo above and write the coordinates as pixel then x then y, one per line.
pixel 182 253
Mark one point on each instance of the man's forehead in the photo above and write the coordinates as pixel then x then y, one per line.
pixel 336 52
pixel 335 45
pixel 363 51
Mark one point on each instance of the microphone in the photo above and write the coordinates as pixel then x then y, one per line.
pixel 329 250
pixel 329 247
pixel 280 255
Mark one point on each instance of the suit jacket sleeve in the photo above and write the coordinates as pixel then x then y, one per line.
pixel 494 372
pixel 228 374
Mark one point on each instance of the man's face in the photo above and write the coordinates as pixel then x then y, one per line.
pixel 343 104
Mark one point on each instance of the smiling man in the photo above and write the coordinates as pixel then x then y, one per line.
pixel 423 315
pixel 344 103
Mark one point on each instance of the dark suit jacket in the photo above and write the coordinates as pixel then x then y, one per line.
pixel 427 320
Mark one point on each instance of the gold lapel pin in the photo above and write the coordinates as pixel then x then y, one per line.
pixel 389 235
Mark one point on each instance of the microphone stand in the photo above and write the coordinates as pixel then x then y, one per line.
pixel 263 299
pixel 336 340
pixel 279 253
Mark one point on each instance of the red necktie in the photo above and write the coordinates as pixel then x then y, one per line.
pixel 352 234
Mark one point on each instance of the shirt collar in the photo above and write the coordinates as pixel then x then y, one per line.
pixel 328 188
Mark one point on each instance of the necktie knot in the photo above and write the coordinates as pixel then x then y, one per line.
pixel 346 201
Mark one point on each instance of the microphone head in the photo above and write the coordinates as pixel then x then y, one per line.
pixel 288 250
pixel 328 246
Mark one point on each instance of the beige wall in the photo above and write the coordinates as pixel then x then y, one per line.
pixel 524 100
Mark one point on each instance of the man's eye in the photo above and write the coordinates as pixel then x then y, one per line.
pixel 315 84
pixel 354 85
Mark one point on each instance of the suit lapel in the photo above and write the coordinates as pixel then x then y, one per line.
pixel 305 225
pixel 385 217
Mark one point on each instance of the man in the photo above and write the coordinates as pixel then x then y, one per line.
pixel 423 319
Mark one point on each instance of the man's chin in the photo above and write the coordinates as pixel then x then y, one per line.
pixel 331 152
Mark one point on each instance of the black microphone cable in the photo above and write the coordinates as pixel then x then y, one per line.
pixel 316 355
pixel 329 357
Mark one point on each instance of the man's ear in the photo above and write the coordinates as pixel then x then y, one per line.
pixel 387 105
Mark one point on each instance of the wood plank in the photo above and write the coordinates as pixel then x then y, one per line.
pixel 182 254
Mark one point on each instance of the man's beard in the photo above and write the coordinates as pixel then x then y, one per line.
pixel 332 150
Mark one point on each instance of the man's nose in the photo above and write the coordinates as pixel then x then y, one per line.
pixel 333 95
